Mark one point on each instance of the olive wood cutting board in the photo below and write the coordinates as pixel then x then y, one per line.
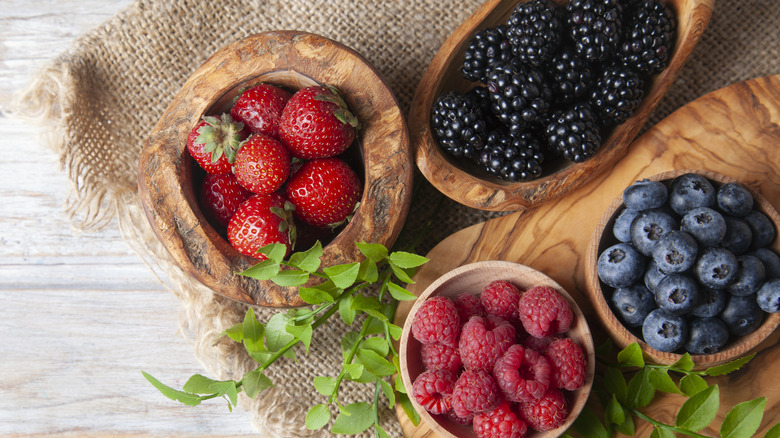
pixel 734 131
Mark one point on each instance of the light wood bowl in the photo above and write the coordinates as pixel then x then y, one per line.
pixel 472 278
pixel 619 333
pixel 292 60
pixel 456 178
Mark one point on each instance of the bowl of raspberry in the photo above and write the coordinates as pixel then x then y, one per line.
pixel 527 100
pixel 281 137
pixel 495 348
pixel 686 261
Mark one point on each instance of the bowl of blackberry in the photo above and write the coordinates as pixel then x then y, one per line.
pixel 687 261
pixel 528 100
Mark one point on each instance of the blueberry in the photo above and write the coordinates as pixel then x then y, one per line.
pixel 734 199
pixel 706 225
pixel 645 194
pixel 750 276
pixel 632 304
pixel 664 332
pixel 653 275
pixel 620 265
pixel 738 235
pixel 648 227
pixel 716 267
pixel 706 335
pixel 742 315
pixel 690 191
pixel 622 228
pixel 770 260
pixel 711 302
pixel 761 228
pixel 768 297
pixel 677 294
pixel 676 251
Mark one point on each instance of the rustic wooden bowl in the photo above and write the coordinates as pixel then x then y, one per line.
pixel 292 60
pixel 620 334
pixel 456 178
pixel 472 278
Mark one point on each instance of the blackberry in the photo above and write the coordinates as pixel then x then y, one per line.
pixel 481 98
pixel 488 48
pixel 595 26
pixel 520 95
pixel 534 31
pixel 617 93
pixel 574 132
pixel 458 124
pixel 648 36
pixel 571 76
pixel 512 157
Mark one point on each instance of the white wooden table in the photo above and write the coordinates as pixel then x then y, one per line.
pixel 80 314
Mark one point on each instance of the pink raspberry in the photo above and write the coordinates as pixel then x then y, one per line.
pixel 568 364
pixel 538 344
pixel 483 341
pixel 544 312
pixel 464 421
pixel 468 305
pixel 501 298
pixel 501 422
pixel 436 321
pixel 522 374
pixel 433 391
pixel 475 391
pixel 440 357
pixel 547 413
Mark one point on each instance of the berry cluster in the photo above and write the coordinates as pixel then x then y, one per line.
pixel 499 360
pixel 551 82
pixel 272 160
pixel 692 268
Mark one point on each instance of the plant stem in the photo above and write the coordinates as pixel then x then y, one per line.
pixel 666 426
pixel 350 357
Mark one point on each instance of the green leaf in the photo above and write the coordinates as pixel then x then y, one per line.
pixel 346 312
pixel 276 334
pixel 373 251
pixel 347 342
pixel 261 357
pixel 661 381
pixel 660 432
pixel 375 326
pixel 631 356
pixel 395 331
pixel 698 411
pixel 684 363
pixel 615 383
pixel 354 370
pixel 605 348
pixel 308 260
pixel 324 385
pixel 302 333
pixel 400 293
pixel 228 388
pixel 199 384
pixel 265 270
pixel 354 418
pixel 387 390
pixel 407 260
pixel 317 417
pixel 640 391
pixel 380 433
pixel 398 384
pixel 362 302
pixel 377 344
pixel 343 276
pixel 253 332
pixel 408 408
pixel 774 432
pixel 173 394
pixel 368 271
pixel 313 295
pixel 274 251
pixel 627 427
pixel 375 364
pixel 401 273
pixel 378 316
pixel 744 419
pixel 291 278
pixel 614 412
pixel 236 332
pixel 729 367
pixel 255 382
pixel 589 425
pixel 692 384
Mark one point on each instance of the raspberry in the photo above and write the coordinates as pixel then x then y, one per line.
pixel 436 321
pixel 460 420
pixel 547 413
pixel 544 312
pixel 501 298
pixel 539 345
pixel 501 422
pixel 475 391
pixel 433 391
pixel 468 305
pixel 483 341
pixel 568 364
pixel 440 357
pixel 522 374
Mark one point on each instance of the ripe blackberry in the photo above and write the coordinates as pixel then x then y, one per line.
pixel 458 124
pixel 520 95
pixel 617 93
pixel 480 97
pixel 488 48
pixel 512 157
pixel 595 26
pixel 648 36
pixel 571 76
pixel 534 31
pixel 574 133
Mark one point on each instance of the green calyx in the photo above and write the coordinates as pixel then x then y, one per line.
pixel 220 136
pixel 287 223
pixel 342 112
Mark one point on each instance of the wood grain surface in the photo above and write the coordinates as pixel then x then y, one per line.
pixel 734 131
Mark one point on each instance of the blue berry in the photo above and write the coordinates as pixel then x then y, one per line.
pixel 770 260
pixel 734 199
pixel 648 227
pixel 653 275
pixel 620 265
pixel 761 228
pixel 706 225
pixel 742 315
pixel 645 195
pixel 676 251
pixel 677 294
pixel 738 235
pixel 706 335
pixel 768 297
pixel 716 267
pixel 632 304
pixel 690 191
pixel 664 332
pixel 622 228
pixel 711 302
pixel 750 276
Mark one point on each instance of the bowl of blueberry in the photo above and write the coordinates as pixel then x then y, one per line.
pixel 687 261
pixel 528 100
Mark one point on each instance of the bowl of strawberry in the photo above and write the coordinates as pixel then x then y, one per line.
pixel 495 348
pixel 269 141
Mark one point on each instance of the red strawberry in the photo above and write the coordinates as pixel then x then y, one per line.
pixel 260 108
pixel 220 197
pixel 214 141
pixel 324 191
pixel 261 220
pixel 316 123
pixel 262 164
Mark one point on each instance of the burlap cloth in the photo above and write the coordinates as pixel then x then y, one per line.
pixel 108 89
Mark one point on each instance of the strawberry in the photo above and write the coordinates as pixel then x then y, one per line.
pixel 262 164
pixel 220 197
pixel 316 123
pixel 261 220
pixel 324 191
pixel 260 108
pixel 214 141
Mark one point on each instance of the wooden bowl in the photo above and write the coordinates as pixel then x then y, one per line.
pixel 472 278
pixel 456 178
pixel 291 60
pixel 619 333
